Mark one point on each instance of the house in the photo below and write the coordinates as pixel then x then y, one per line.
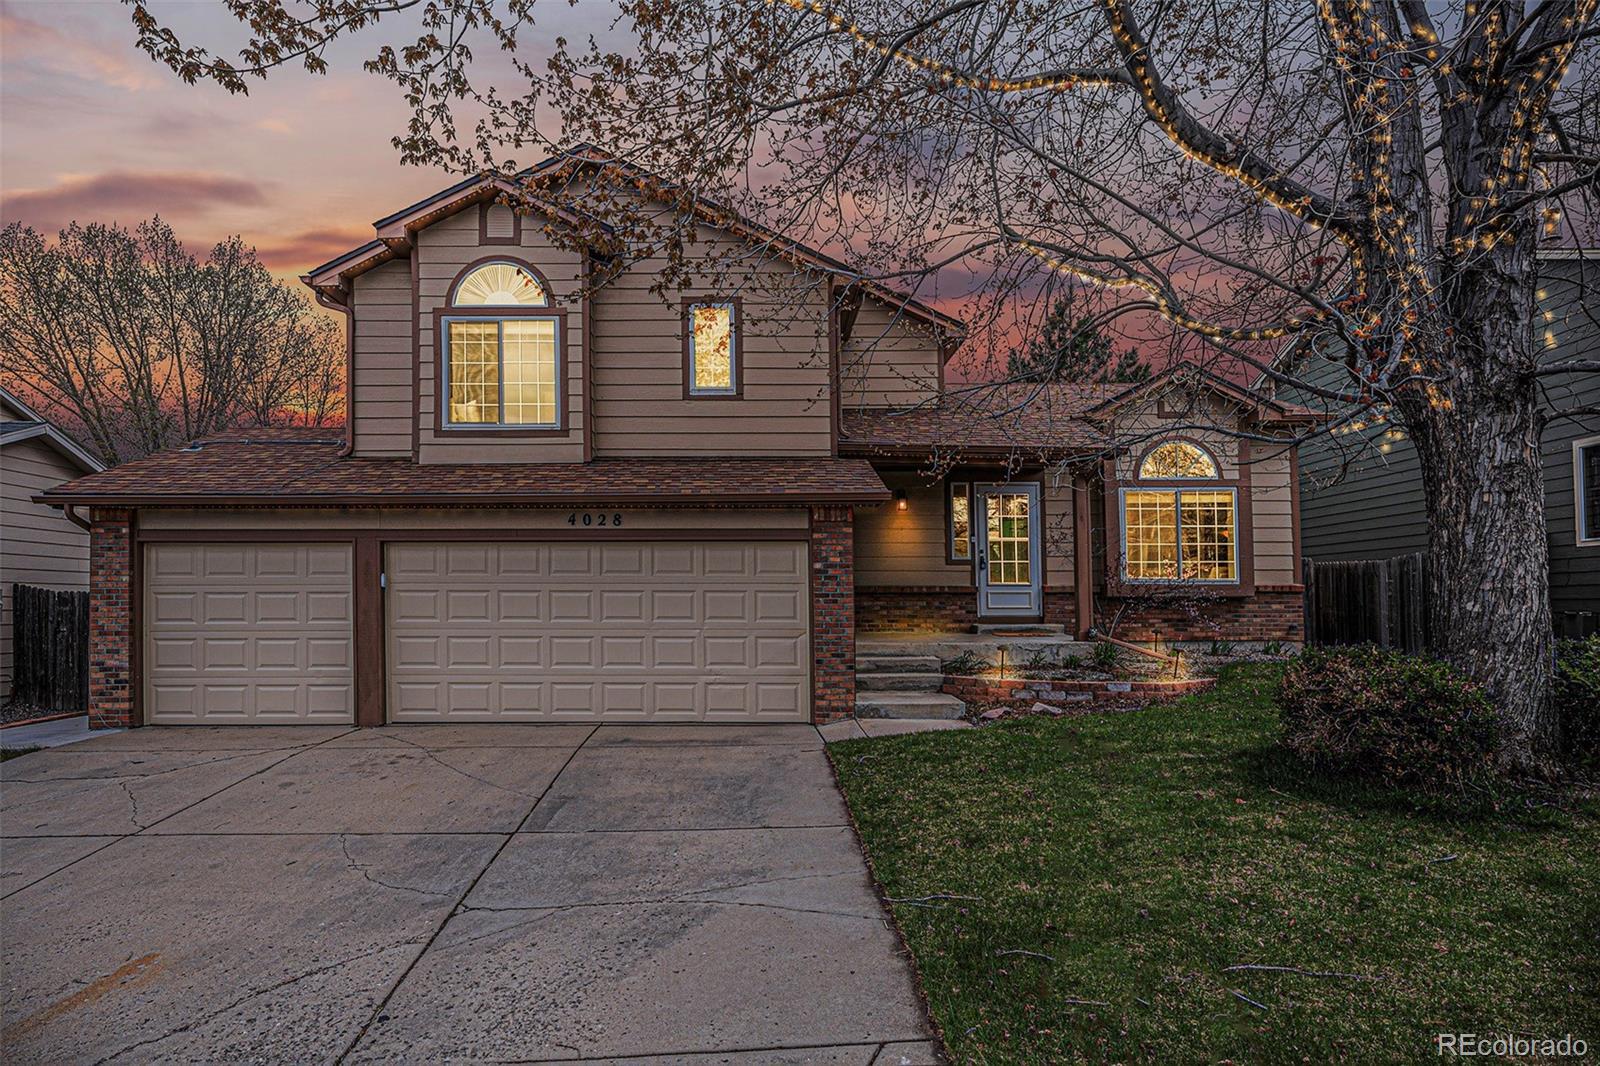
pixel 39 545
pixel 1361 491
pixel 563 495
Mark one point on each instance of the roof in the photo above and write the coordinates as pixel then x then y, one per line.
pixel 304 468
pixel 394 231
pixel 34 426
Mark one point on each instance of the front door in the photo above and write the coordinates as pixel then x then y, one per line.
pixel 1009 577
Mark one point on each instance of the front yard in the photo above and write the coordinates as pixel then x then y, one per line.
pixel 1085 888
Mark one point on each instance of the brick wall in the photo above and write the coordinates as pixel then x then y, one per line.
pixel 110 619
pixel 1272 613
pixel 833 614
pixel 940 609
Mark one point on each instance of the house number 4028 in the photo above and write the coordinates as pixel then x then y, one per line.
pixel 594 518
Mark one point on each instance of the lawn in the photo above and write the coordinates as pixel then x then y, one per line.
pixel 1141 855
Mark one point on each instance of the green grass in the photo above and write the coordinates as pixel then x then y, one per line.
pixel 7 754
pixel 1146 852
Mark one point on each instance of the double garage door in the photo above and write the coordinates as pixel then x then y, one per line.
pixel 507 631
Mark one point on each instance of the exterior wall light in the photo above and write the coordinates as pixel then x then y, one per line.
pixel 900 501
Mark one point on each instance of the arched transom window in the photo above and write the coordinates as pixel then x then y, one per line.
pixel 1180 535
pixel 501 355
pixel 500 285
pixel 1177 460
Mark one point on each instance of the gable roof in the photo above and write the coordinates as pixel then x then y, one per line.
pixel 33 426
pixel 394 232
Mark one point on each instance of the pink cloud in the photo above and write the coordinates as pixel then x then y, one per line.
pixel 302 251
pixel 128 196
pixel 76 54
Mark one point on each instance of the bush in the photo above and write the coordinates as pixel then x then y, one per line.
pixel 1577 698
pixel 1401 720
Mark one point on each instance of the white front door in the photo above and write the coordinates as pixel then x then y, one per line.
pixel 1009 575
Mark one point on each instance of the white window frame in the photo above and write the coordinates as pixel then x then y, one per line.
pixel 1189 485
pixel 443 398
pixel 733 347
pixel 521 268
pixel 1585 538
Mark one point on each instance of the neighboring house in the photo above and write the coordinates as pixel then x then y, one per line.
pixel 39 545
pixel 560 496
pixel 1361 491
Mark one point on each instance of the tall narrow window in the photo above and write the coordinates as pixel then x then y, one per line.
pixel 1586 489
pixel 1172 533
pixel 501 370
pixel 960 533
pixel 711 349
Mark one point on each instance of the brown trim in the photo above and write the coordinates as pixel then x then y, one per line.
pixel 483 224
pixel 1294 510
pixel 586 336
pixel 515 260
pixel 685 500
pixel 416 355
pixel 836 332
pixel 950 558
pixel 346 308
pixel 991 454
pixel 135 623
pixel 352 536
pixel 1082 556
pixel 443 433
pixel 366 569
pixel 1192 442
pixel 735 347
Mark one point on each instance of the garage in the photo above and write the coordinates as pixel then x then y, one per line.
pixel 679 630
pixel 248 634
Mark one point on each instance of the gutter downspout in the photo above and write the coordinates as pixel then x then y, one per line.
pixel 349 366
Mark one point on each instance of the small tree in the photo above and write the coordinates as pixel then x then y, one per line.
pixel 1070 346
pixel 136 345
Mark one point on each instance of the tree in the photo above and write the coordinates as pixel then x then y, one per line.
pixel 1368 177
pixel 138 346
pixel 1070 347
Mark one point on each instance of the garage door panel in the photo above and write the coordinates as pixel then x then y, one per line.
pixel 244 633
pixel 631 631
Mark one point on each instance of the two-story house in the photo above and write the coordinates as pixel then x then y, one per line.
pixel 563 495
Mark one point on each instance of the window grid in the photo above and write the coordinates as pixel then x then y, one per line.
pixel 1010 545
pixel 529 356
pixel 711 337
pixel 503 372
pixel 960 520
pixel 1177 460
pixel 474 372
pixel 1150 524
pixel 1206 522
pixel 1192 533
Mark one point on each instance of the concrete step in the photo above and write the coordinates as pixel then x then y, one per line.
pixel 1032 629
pixel 896 682
pixel 945 646
pixel 908 705
pixel 896 663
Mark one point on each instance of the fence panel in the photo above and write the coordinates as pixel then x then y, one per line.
pixel 1370 601
pixel 50 647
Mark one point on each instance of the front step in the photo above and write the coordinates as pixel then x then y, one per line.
pixel 898 682
pixel 908 705
pixel 1020 629
pixel 881 663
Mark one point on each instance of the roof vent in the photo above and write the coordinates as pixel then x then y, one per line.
pixel 193 446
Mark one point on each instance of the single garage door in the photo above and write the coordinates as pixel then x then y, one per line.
pixel 671 631
pixel 248 634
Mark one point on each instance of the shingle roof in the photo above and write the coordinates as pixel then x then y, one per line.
pixel 298 467
pixel 1018 419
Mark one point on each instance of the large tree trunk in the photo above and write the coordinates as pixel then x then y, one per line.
pixel 1483 477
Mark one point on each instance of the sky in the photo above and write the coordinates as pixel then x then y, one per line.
pixel 91 129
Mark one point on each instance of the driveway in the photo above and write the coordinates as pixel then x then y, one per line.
pixel 428 893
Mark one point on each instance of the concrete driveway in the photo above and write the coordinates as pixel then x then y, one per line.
pixel 433 893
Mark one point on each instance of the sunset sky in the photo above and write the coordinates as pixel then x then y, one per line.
pixel 93 130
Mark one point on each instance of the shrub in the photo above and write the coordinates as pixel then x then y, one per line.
pixel 1401 720
pixel 1107 655
pixel 1577 698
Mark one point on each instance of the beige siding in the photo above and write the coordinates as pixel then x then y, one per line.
pixel 890 360
pixel 639 406
pixel 1272 512
pixel 381 405
pixel 907 548
pixel 38 545
pixel 442 250
pixel 460 518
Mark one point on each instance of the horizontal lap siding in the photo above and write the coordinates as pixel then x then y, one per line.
pixel 890 360
pixel 380 403
pixel 1272 512
pixel 443 250
pixel 639 406
pixel 1570 333
pixel 38 545
pixel 155 521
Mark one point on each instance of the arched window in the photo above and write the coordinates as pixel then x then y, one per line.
pixel 501 355
pixel 1180 535
pixel 1177 460
pixel 500 285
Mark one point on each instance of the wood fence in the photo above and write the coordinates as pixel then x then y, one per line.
pixel 1370 601
pixel 50 648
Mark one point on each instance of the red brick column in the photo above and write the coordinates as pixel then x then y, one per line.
pixel 833 614
pixel 111 619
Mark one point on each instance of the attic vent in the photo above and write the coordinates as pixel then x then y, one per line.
pixel 498 221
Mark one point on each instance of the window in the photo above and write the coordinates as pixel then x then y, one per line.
pixel 1586 489
pixel 501 371
pixel 1009 539
pixel 1179 534
pixel 711 349
pixel 959 499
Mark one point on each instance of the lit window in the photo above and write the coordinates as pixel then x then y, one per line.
pixel 1177 460
pixel 502 371
pixel 960 520
pixel 500 285
pixel 1179 534
pixel 712 349
pixel 1586 489
pixel 1010 539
